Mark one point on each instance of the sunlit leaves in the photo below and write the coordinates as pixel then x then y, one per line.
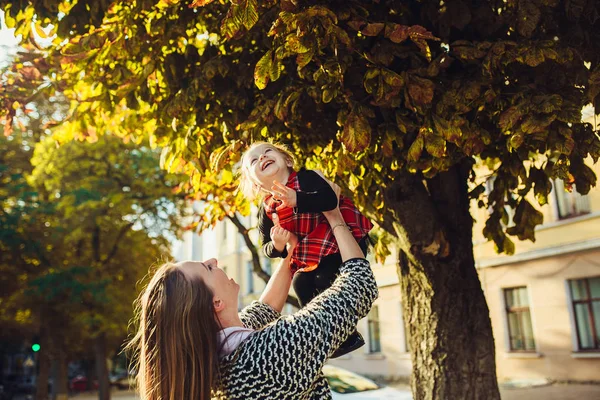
pixel 242 14
pixel 382 85
pixel 356 134
pixel 416 148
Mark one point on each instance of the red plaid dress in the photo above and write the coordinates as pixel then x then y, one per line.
pixel 315 236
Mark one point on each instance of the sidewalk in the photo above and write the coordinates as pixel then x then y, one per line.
pixel 553 392
pixel 549 392
pixel 115 394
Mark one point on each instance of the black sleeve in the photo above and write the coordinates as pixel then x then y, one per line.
pixel 316 195
pixel 264 231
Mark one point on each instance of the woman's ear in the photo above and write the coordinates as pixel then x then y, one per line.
pixel 218 304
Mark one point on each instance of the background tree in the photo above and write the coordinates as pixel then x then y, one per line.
pixel 82 222
pixel 396 100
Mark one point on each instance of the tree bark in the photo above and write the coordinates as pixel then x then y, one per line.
pixel 101 367
pixel 447 316
pixel 61 389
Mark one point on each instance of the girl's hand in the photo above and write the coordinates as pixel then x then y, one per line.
pixel 287 196
pixel 279 235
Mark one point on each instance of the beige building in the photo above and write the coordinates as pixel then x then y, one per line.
pixel 544 300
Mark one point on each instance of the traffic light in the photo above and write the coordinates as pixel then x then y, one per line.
pixel 35 343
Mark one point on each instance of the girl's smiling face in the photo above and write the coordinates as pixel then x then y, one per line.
pixel 265 164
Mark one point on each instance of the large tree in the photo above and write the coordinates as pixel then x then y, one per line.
pixel 394 100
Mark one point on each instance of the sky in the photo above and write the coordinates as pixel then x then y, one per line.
pixel 8 43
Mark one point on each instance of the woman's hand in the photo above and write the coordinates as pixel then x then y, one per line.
pixel 292 242
pixel 334 215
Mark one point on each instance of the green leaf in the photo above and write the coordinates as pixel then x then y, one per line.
pixel 275 70
pixel 396 33
pixel 526 218
pixel 373 29
pixel 263 70
pixel 328 95
pixel 435 145
pixel 419 36
pixel 416 148
pixel 249 13
pixel 303 59
pixel 449 130
pixel 392 78
pixel 356 134
pixel 294 44
pixel 509 118
pixel 528 17
pixel 516 140
pixel 534 56
pixel 200 3
pixel 420 90
pixel 594 84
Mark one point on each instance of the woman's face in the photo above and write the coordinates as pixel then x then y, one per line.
pixel 215 278
pixel 265 164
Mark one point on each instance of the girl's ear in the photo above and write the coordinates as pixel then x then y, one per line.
pixel 289 163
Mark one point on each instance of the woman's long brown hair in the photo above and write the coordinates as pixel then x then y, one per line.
pixel 176 346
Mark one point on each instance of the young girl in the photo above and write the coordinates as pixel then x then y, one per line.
pixel 294 201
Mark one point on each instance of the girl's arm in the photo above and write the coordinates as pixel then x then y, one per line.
pixel 316 195
pixel 264 230
pixel 278 287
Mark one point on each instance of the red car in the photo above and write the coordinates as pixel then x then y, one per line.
pixel 80 384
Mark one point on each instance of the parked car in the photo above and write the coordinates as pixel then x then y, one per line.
pixel 123 381
pixel 5 393
pixel 346 385
pixel 80 384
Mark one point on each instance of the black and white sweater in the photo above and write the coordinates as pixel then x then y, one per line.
pixel 284 358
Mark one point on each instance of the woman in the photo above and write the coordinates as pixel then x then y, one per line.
pixel 192 343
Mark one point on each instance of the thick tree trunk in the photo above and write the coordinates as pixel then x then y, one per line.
pixel 61 389
pixel 447 315
pixel 101 367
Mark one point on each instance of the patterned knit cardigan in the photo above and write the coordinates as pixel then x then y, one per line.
pixel 284 358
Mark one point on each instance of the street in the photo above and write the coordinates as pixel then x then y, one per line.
pixel 549 392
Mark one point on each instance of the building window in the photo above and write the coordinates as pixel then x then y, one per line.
pixel 585 294
pixel 569 204
pixel 374 334
pixel 520 329
pixel 249 278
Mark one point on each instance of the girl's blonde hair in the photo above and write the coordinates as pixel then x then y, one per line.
pixel 247 186
pixel 176 346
